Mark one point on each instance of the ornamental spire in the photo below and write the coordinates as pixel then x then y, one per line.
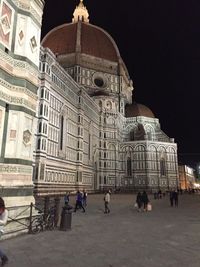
pixel 80 13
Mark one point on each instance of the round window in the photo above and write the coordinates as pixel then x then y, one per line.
pixel 99 82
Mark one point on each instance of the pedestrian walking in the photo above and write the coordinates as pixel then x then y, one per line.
pixel 3 221
pixel 145 200
pixel 171 198
pixel 79 203
pixel 159 194
pixel 66 198
pixel 107 201
pixel 84 198
pixel 175 197
pixel 139 201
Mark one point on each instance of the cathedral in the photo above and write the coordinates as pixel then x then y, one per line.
pixel 68 119
pixel 91 134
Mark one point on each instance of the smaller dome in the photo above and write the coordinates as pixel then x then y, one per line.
pixel 135 110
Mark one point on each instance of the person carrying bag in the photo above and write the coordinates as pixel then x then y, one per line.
pixel 149 207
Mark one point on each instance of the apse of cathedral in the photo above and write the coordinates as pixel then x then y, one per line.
pixel 68 119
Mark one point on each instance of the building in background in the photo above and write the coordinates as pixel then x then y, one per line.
pixel 89 134
pixel 20 28
pixel 187 179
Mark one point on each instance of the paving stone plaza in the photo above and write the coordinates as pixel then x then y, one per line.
pixel 124 238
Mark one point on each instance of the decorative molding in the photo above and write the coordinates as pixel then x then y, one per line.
pixel 17 89
pixel 5 168
pixel 14 65
pixel 17 101
pixel 28 8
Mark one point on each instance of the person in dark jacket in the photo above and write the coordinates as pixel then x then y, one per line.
pixel 84 198
pixel 139 201
pixel 175 197
pixel 66 198
pixel 79 201
pixel 171 198
pixel 145 200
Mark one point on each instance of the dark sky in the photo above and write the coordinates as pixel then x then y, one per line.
pixel 159 42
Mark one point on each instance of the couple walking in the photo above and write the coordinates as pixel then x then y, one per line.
pixel 81 200
pixel 142 200
pixel 173 196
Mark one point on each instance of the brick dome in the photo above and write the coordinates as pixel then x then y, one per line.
pixel 135 110
pixel 83 38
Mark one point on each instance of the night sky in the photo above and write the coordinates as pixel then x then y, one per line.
pixel 159 42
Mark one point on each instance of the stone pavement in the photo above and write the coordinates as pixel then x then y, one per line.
pixel 164 237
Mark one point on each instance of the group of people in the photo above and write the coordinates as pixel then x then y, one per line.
pixel 81 200
pixel 142 201
pixel 159 194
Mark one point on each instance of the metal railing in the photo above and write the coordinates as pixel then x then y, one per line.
pixel 19 217
pixel 33 219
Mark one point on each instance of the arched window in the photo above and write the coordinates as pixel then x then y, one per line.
pixel 132 136
pixel 40 127
pixel 129 166
pixel 42 92
pixel 149 135
pixel 100 104
pixel 44 110
pixel 162 167
pixel 89 145
pixel 61 132
pixel 45 145
pixel 41 109
pixel 44 128
pixel 38 143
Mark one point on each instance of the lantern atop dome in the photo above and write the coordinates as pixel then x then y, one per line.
pixel 81 13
